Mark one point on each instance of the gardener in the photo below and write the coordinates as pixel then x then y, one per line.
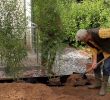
pixel 99 42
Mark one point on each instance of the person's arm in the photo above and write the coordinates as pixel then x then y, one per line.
pixel 94 58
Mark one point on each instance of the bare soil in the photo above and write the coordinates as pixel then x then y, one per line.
pixel 27 91
pixel 80 93
pixel 76 89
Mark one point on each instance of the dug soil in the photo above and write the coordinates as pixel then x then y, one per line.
pixel 27 91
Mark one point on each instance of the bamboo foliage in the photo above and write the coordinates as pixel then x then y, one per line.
pixel 47 17
pixel 12 31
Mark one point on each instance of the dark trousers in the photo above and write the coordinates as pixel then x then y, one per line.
pixel 105 68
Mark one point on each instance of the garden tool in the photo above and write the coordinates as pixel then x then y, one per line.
pixel 83 75
pixel 78 80
pixel 90 69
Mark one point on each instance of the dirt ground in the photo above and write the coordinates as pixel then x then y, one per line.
pixel 28 91
pixel 79 93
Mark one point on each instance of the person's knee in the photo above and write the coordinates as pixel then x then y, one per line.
pixel 106 67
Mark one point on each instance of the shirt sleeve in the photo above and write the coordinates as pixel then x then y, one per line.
pixel 104 33
pixel 94 51
pixel 106 55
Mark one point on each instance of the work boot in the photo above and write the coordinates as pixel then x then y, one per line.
pixel 103 89
pixel 96 85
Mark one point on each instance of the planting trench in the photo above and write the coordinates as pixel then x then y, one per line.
pixel 23 90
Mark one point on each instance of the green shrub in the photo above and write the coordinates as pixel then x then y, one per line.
pixel 47 17
pixel 12 30
pixel 59 20
pixel 87 14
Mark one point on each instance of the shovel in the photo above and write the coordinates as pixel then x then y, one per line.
pixel 90 69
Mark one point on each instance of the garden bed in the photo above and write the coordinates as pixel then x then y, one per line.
pixel 29 91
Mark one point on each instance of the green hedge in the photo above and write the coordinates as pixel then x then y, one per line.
pixel 47 17
pixel 87 14
pixel 12 30
pixel 59 20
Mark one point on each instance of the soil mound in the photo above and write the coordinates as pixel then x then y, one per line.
pixel 76 80
pixel 25 91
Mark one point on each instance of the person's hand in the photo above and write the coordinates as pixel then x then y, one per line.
pixel 94 65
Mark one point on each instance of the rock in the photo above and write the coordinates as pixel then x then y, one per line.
pixel 70 61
